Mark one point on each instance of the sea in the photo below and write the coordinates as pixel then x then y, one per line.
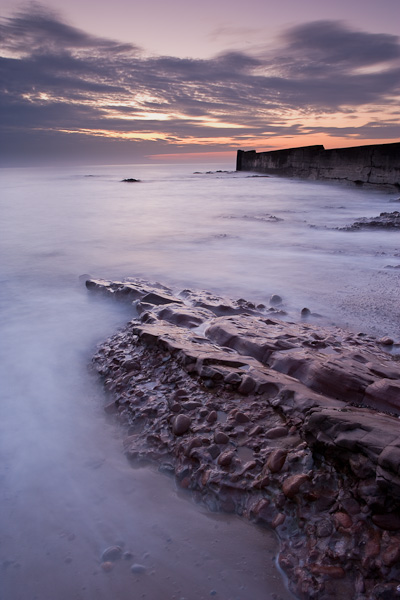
pixel 67 492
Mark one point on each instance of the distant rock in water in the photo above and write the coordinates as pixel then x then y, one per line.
pixel 385 220
pixel 131 180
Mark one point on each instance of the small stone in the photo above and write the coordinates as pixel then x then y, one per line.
pixel 107 566
pixel 137 569
pixel 111 553
pixel 279 520
pixel 343 520
pixel 276 460
pixel 233 378
pixel 305 312
pixel 225 458
pixel 181 424
pixel 328 571
pixel 256 430
pixel 391 555
pixel 276 432
pixel 220 437
pixel 212 417
pixel 247 386
pixel 389 521
pixel 386 341
pixel 292 484
pixel 241 417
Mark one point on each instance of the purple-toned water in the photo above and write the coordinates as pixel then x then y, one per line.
pixel 67 492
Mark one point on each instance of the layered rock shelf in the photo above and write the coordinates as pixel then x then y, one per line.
pixel 289 424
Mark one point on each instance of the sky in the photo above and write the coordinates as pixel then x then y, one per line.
pixel 125 81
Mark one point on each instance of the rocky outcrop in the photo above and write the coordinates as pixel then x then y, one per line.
pixel 384 221
pixel 373 165
pixel 291 425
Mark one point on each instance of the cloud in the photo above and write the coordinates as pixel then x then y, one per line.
pixel 332 44
pixel 57 78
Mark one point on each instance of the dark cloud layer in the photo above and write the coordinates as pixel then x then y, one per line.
pixel 57 77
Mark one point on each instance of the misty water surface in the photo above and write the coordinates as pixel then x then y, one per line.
pixel 67 491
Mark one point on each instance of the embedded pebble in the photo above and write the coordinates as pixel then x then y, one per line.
pixel 225 458
pixel 137 568
pixel 111 553
pixel 276 460
pixel 276 432
pixel 220 437
pixel 181 424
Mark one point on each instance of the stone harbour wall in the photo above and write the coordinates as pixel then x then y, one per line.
pixel 377 165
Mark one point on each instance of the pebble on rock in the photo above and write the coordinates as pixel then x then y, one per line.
pixel 181 424
pixel 292 484
pixel 220 437
pixel 276 460
pixel 225 458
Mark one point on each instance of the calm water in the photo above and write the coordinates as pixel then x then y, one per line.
pixel 66 490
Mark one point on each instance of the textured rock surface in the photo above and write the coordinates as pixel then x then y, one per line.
pixel 291 425
pixel 384 221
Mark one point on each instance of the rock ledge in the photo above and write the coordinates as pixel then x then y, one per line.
pixel 291 425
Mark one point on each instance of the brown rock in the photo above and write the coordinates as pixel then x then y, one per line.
pixel 256 430
pixel 181 424
pixel 225 458
pixel 372 547
pixel 212 417
pixel 220 437
pixel 276 460
pixel 386 341
pixel 391 555
pixel 278 520
pixel 292 484
pixel 328 570
pixel 342 520
pixel 388 521
pixel 276 432
pixel 241 417
pixel 247 386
